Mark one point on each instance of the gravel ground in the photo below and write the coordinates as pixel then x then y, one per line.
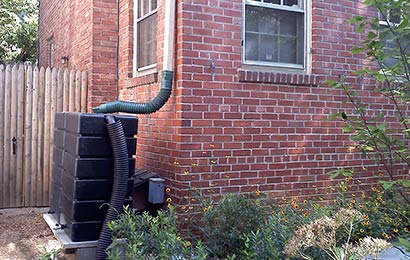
pixel 25 235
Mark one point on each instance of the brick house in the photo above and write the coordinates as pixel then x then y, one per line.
pixel 249 106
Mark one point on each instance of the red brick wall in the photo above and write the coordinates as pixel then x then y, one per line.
pixel 242 130
pixel 85 32
pixel 238 130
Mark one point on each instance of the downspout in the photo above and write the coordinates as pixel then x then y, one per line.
pixel 117 52
pixel 167 74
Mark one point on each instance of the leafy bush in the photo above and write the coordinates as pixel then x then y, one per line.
pixel 241 227
pixel 222 225
pixel 142 236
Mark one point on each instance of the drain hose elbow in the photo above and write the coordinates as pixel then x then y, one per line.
pixel 120 182
pixel 141 108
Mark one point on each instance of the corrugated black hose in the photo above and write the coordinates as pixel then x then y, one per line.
pixel 120 183
pixel 141 108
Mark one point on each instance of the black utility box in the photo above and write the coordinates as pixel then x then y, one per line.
pixel 83 171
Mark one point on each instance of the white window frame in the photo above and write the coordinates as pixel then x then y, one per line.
pixel 140 71
pixel 304 7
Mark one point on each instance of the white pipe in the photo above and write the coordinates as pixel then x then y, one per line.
pixel 169 35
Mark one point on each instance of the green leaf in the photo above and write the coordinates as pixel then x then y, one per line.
pixel 332 83
pixel 357 19
pixel 342 171
pixel 348 129
pixel 387 185
pixel 360 28
pixel 406 183
pixel 371 35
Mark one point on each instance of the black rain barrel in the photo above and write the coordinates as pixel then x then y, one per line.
pixel 83 171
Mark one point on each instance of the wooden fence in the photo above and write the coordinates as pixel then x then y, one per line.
pixel 29 99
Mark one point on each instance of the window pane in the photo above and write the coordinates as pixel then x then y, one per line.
pixel 147 41
pixel 251 48
pixel 153 4
pixel 268 49
pixel 259 19
pixel 145 7
pixel 290 2
pixel 288 22
pixel 272 1
pixel 287 50
pixel 274 35
pixel 392 49
pixel 251 16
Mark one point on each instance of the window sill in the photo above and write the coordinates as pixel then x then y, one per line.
pixel 256 76
pixel 142 80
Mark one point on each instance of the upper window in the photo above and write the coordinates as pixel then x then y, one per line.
pixel 393 46
pixel 145 35
pixel 275 33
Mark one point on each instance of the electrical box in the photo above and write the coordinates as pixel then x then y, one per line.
pixel 156 190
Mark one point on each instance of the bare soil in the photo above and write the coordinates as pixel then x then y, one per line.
pixel 25 235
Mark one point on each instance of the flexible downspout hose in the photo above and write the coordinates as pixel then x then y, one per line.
pixel 120 183
pixel 141 108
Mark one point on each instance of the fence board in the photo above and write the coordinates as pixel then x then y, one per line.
pixel 34 136
pixel 60 91
pixel 66 90
pixel 47 109
pixel 77 101
pixel 7 139
pixel 40 136
pixel 53 103
pixel 2 148
pixel 29 99
pixel 20 136
pixel 71 96
pixel 14 135
pixel 84 92
pixel 28 131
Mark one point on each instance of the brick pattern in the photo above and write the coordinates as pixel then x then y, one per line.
pixel 277 78
pixel 232 129
pixel 86 32
pixel 243 130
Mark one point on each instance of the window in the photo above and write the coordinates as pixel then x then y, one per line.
pixel 393 46
pixel 145 45
pixel 275 33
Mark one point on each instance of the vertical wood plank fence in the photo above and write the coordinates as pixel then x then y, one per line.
pixel 29 98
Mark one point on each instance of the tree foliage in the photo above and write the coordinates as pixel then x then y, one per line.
pixel 387 44
pixel 18 30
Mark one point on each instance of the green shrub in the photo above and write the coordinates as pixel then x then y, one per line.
pixel 142 236
pixel 241 227
pixel 270 240
pixel 223 225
